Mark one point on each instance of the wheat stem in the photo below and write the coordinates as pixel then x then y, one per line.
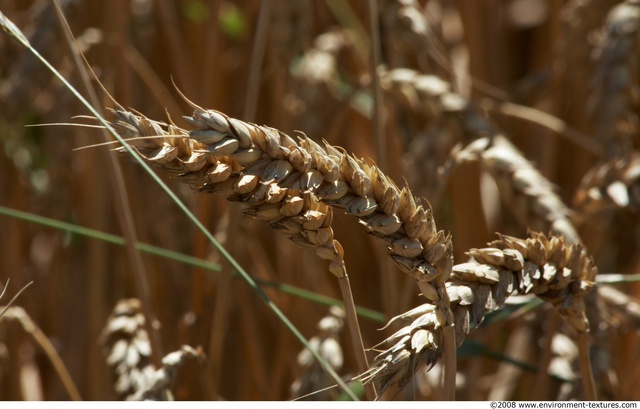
pixel 257 55
pixel 354 330
pixel 20 315
pixel 586 371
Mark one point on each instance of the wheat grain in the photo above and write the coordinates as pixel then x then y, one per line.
pixel 531 196
pixel 549 267
pixel 159 382
pixel 412 31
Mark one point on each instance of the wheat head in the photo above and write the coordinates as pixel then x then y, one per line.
pixel 549 267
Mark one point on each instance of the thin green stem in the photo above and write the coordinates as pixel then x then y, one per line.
pixel 186 259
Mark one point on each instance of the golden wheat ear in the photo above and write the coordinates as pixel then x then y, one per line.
pixel 127 349
pixel 550 267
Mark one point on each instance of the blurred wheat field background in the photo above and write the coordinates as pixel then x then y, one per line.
pixel 507 116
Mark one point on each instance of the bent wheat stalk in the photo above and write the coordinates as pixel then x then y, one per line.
pixel 549 267
pixel 292 185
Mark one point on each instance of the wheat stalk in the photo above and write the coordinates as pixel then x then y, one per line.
pixel 549 267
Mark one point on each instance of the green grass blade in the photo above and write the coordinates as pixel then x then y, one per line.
pixel 184 259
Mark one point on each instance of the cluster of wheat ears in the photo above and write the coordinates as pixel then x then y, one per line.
pixel 296 183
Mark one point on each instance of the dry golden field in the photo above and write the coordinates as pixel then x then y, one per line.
pixel 468 167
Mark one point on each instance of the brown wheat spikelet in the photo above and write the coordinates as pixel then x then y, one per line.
pixel 549 267
pixel 612 184
pixel 127 348
pixel 531 196
pixel 411 31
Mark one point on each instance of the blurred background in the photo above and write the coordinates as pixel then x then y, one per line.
pixel 573 64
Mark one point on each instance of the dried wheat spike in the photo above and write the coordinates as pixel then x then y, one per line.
pixel 411 31
pixel 432 97
pixel 613 184
pixel 291 184
pixel 127 348
pixel 161 380
pixel 549 267
pixel 615 120
pixel 271 189
pixel 529 194
pixel 327 344
pixel 622 310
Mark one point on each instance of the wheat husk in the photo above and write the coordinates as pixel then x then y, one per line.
pixel 531 196
pixel 127 348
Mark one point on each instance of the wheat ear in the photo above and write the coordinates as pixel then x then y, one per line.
pixel 532 197
pixel 128 351
pixel 612 184
pixel 327 343
pixel 292 184
pixel 127 348
pixel 549 267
